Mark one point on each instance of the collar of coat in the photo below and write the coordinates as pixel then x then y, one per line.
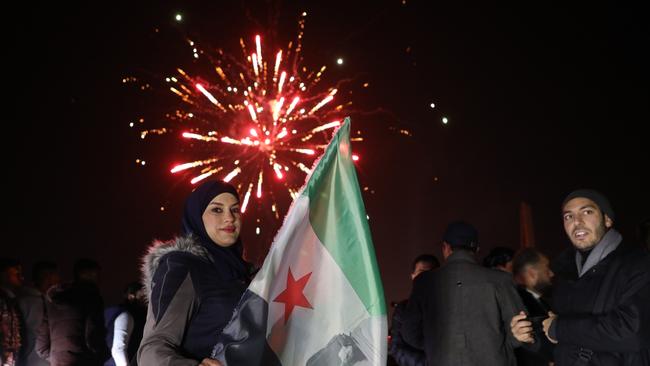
pixel 460 255
pixel 159 249
pixel 608 243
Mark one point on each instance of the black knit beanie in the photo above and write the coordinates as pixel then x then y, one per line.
pixel 601 201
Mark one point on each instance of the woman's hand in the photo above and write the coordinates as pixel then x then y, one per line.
pixel 210 362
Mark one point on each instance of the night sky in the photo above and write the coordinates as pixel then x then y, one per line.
pixel 541 100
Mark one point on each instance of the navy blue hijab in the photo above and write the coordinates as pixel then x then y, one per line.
pixel 227 261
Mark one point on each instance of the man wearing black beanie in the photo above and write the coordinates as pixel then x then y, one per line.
pixel 602 297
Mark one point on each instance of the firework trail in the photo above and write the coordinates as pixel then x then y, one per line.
pixel 258 121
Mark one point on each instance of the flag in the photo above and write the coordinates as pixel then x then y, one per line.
pixel 318 298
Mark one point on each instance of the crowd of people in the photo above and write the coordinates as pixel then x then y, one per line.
pixel 589 306
pixel 57 323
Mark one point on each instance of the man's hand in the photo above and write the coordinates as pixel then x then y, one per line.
pixel 547 325
pixel 210 362
pixel 521 328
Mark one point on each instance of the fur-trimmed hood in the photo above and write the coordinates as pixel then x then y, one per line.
pixel 158 249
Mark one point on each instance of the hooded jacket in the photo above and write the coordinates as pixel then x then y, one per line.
pixel 190 302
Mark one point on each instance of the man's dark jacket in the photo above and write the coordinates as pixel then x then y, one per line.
pixel 460 314
pixel 603 316
pixel 403 353
pixel 72 332
pixel 543 353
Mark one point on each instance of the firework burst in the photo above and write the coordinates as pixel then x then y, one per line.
pixel 257 121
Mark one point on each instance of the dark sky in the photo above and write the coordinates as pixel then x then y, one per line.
pixel 541 100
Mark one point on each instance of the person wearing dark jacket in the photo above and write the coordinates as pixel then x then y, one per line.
pixel 401 352
pixel 195 281
pixel 602 292
pixel 533 275
pixel 499 258
pixel 11 339
pixel 460 313
pixel 31 301
pixel 72 331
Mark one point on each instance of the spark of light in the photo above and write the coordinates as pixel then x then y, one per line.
pixel 326 126
pixel 193 164
pixel 278 60
pixel 205 175
pixel 282 134
pixel 246 198
pixel 305 151
pixel 207 94
pixel 257 72
pixel 323 102
pixel 230 140
pixel 252 112
pixel 292 106
pixel 259 185
pixel 258 43
pixel 281 83
pixel 276 109
pixel 232 174
pixel 190 135
pixel 304 168
pixel 278 170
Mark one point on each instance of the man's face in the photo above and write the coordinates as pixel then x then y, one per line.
pixel 141 296
pixel 421 267
pixel 584 223
pixel 543 274
pixel 13 277
pixel 51 279
pixel 506 267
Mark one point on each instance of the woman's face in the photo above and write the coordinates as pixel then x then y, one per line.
pixel 222 219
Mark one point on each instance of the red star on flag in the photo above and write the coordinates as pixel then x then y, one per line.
pixel 292 296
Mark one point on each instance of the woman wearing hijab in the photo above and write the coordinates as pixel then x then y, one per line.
pixel 194 281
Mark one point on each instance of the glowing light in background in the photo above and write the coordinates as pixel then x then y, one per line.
pixel 339 61
pixel 445 120
pixel 178 17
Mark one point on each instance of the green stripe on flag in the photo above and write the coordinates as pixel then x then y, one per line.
pixel 338 217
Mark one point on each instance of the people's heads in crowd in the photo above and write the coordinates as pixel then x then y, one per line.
pixel 45 274
pixel 587 215
pixel 531 269
pixel 459 235
pixel 500 258
pixel 423 263
pixel 86 270
pixel 212 213
pixel 135 293
pixel 11 273
pixel 644 232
